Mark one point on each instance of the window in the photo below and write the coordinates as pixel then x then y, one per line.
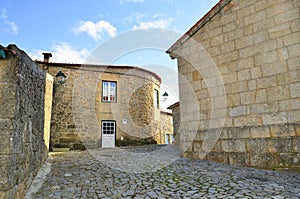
pixel 108 127
pixel 156 99
pixel 109 91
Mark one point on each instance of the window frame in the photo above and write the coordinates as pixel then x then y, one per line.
pixel 156 99
pixel 105 130
pixel 108 90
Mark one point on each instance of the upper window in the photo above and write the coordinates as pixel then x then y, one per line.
pixel 109 91
pixel 156 98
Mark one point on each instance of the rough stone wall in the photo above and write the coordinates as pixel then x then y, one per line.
pixel 255 91
pixel 63 129
pixel 78 108
pixel 23 150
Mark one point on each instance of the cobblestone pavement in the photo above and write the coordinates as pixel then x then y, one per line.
pixel 154 172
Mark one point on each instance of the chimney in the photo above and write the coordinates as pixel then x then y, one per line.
pixel 47 57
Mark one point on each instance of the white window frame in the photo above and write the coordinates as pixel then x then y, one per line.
pixel 109 92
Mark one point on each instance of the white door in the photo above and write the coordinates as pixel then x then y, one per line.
pixel 108 134
pixel 167 138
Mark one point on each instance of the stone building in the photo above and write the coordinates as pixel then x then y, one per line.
pixel 239 75
pixel 166 129
pixel 175 121
pixel 105 106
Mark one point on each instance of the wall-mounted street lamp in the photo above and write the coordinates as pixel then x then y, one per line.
pixel 60 77
pixel 165 96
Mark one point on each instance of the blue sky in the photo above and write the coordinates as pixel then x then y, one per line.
pixel 72 30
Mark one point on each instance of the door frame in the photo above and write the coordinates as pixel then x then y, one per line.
pixel 115 132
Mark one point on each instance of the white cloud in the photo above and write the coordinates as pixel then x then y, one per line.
pixel 137 16
pixel 3 14
pixel 62 53
pixel 160 23
pixel 10 26
pixel 96 30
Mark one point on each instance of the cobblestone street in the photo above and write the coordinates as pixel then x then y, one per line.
pixel 154 172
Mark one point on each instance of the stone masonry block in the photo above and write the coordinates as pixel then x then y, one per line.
pixel 242 63
pixel 260 132
pixel 296 144
pixel 197 146
pixel 239 133
pixel 252 85
pixel 279 30
pixel 257 145
pixel 274 68
pixel 233 99
pixel 283 55
pixel 282 131
pixel 234 145
pixel 293 76
pixel 244 41
pixel 292 104
pixel 6 179
pixel 294 63
pixel 196 76
pixel 265 58
pixel 261 159
pixel 276 118
pixel 295 90
pixel 5 142
pixel 248 120
pixel 284 159
pixel 267 82
pixel 294 50
pixel 260 37
pixel 263 108
pixel 237 159
pixel 218 157
pixel 238 111
pixel 261 96
pixel 256 72
pixel 7 100
pixel 8 71
pixel 291 39
pixel 293 116
pixel 280 145
pixel 255 18
pixel 278 93
pixel 237 87
pixel 230 78
pixel 248 97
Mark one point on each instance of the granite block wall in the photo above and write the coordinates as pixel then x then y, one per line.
pixel 241 65
pixel 22 102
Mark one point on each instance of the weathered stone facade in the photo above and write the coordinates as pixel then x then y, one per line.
pixel 166 128
pixel 240 63
pixel 78 108
pixel 23 148
pixel 176 121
